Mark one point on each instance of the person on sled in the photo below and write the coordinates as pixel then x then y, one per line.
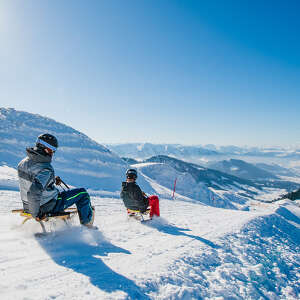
pixel 133 197
pixel 37 181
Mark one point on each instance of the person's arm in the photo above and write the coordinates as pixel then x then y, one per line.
pixel 122 191
pixel 37 187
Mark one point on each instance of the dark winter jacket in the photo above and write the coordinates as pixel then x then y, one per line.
pixel 36 179
pixel 133 197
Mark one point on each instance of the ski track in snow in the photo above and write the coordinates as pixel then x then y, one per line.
pixel 192 252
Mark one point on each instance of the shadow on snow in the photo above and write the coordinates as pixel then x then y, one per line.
pixel 163 226
pixel 81 249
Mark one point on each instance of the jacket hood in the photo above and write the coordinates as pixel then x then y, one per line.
pixel 38 156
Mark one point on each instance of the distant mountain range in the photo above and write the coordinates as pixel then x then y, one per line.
pixel 203 153
pixel 276 169
pixel 242 169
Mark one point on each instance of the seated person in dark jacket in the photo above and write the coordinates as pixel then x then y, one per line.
pixel 131 193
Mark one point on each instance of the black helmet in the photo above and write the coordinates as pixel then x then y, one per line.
pixel 47 140
pixel 131 173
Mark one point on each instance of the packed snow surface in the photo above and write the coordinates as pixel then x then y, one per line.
pixel 192 252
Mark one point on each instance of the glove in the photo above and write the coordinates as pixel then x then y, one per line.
pixel 41 217
pixel 57 180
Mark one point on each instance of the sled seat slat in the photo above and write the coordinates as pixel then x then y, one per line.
pixel 136 214
pixel 64 215
pixel 137 211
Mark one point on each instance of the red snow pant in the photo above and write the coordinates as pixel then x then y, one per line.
pixel 154 206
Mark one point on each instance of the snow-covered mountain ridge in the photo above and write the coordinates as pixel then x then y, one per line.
pixel 242 169
pixel 79 160
pixel 82 162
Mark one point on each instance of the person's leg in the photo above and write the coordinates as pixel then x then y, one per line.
pixel 154 206
pixel 81 198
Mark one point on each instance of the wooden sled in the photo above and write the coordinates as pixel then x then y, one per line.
pixel 136 214
pixel 64 215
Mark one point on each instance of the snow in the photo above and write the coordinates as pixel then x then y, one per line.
pixel 187 188
pixel 292 179
pixel 8 178
pixel 192 252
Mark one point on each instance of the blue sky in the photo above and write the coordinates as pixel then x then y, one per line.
pixel 190 72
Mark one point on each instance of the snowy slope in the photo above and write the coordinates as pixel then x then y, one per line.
pixel 79 160
pixel 210 186
pixel 187 186
pixel 192 252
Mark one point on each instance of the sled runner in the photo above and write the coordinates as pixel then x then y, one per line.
pixel 64 215
pixel 137 215
pixel 153 209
